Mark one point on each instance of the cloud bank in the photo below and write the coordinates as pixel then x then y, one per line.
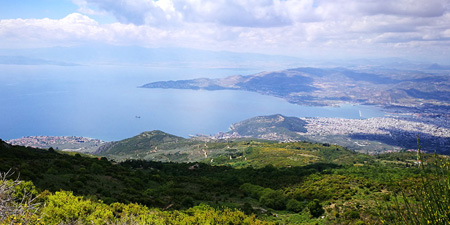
pixel 339 28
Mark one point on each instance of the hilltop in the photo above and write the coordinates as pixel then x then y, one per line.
pixel 146 141
pixel 273 127
pixel 163 147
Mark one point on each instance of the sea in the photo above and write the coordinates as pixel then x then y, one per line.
pixel 105 102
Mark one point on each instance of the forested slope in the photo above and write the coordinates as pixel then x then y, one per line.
pixel 252 182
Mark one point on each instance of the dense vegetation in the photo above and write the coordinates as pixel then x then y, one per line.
pixel 249 182
pixel 284 126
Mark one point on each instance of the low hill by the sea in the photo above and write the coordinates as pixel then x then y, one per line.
pixel 149 140
pixel 274 127
pixel 160 146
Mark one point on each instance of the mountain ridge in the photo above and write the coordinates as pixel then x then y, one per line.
pixel 333 86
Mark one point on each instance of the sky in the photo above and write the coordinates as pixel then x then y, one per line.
pixel 412 29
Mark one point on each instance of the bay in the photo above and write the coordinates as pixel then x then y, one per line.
pixel 105 102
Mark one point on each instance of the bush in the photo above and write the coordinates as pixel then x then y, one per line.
pixel 247 208
pixel 294 205
pixel 255 191
pixel 64 207
pixel 273 199
pixel 187 202
pixel 18 201
pixel 352 214
pixel 315 208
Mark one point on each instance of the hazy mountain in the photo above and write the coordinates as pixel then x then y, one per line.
pixel 436 66
pixel 22 60
pixel 332 86
pixel 185 57
pixel 133 55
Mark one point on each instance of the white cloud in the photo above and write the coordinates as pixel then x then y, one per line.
pixel 267 26
pixel 137 12
pixel 74 27
pixel 252 13
pixel 84 8
pixel 413 8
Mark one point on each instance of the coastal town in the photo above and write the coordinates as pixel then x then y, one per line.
pixel 371 135
pixel 376 126
pixel 72 143
pixel 396 131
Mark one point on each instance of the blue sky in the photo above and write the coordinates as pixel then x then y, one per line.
pixel 305 28
pixel 27 9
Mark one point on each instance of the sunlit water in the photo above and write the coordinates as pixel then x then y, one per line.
pixel 104 102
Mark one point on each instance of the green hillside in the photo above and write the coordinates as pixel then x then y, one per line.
pixel 246 182
pixel 273 127
pixel 141 144
pixel 258 154
pixel 164 147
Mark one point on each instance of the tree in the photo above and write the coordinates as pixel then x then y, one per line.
pixel 315 208
pixel 273 199
pixel 294 205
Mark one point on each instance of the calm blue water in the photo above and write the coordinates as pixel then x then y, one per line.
pixel 103 102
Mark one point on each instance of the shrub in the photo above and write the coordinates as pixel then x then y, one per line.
pixel 273 199
pixel 18 201
pixel 315 208
pixel 255 191
pixel 294 205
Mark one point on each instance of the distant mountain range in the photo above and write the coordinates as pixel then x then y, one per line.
pixel 184 57
pixel 23 60
pixel 333 86
pixel 133 55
